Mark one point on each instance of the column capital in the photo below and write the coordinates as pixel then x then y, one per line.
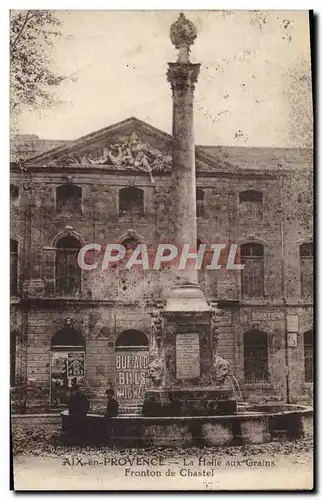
pixel 182 76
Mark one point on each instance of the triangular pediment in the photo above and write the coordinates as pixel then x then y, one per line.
pixel 130 145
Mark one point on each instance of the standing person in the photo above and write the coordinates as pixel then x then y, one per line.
pixel 112 404
pixel 74 385
pixel 56 393
pixel 111 411
pixel 78 406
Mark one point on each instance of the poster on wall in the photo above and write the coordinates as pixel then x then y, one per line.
pixel 75 364
pixel 131 376
pixel 65 367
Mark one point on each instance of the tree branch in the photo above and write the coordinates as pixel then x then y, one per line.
pixel 26 21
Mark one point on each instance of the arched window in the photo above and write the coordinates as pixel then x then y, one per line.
pixel 306 268
pixel 13 357
pixel 13 267
pixel 68 272
pixel 14 193
pixel 199 202
pixel 67 363
pixel 252 276
pixel 251 204
pixel 68 337
pixel 131 338
pixel 308 356
pixel 69 199
pixel 255 357
pixel 131 202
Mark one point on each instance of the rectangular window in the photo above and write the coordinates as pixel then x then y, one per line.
pixel 307 278
pixel 131 202
pixel 256 366
pixel 13 349
pixel 308 356
pixel 199 202
pixel 69 199
pixel 68 273
pixel 255 357
pixel 13 267
pixel 306 270
pixel 253 277
pixel 251 204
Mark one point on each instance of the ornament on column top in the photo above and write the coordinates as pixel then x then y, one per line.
pixel 182 34
pixel 183 74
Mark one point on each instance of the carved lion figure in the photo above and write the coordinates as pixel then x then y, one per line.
pixel 156 370
pixel 221 370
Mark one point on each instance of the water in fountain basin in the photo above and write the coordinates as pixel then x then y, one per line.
pixel 236 388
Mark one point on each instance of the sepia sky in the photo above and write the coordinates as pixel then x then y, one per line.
pixel 254 87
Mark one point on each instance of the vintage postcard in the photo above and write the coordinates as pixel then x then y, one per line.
pixel 161 250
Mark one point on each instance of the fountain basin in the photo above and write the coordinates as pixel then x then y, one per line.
pixel 249 426
pixel 192 401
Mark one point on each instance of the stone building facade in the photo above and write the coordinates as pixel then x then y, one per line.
pixel 114 185
pixel 23 146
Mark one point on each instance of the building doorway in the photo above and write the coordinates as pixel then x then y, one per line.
pixel 131 368
pixel 67 362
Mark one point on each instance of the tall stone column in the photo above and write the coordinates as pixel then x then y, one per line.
pixel 182 76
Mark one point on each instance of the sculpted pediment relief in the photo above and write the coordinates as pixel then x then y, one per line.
pixel 130 145
pixel 127 152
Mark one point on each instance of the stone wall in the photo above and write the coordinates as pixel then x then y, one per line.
pixel 103 310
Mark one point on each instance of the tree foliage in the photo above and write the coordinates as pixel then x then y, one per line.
pixel 32 81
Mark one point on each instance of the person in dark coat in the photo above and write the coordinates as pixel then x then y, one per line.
pixel 78 407
pixel 111 411
pixel 56 393
pixel 112 404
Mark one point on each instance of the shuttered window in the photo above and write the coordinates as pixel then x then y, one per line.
pixel 252 276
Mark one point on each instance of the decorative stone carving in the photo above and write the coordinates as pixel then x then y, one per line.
pixel 221 370
pixel 216 313
pixel 29 187
pixel 183 77
pixel 157 325
pixel 182 34
pixel 69 321
pixel 131 234
pixel 68 179
pixel 157 371
pixel 129 152
pixel 63 322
